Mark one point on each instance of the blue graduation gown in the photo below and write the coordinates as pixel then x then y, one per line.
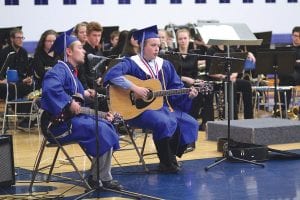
pixel 162 122
pixel 58 86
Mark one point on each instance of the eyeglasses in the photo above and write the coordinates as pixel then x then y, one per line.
pixel 20 38
pixel 296 36
pixel 50 41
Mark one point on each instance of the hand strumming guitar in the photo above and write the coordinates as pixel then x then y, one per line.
pixel 140 92
pixel 75 107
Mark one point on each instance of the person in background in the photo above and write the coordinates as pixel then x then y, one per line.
pixel 89 78
pixel 131 46
pixel 117 50
pixel 15 57
pixel 294 78
pixel 165 44
pixel 43 60
pixel 86 73
pixel 113 40
pixel 187 67
pixel 80 32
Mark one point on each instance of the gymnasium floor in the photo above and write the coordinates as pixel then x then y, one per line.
pixel 229 180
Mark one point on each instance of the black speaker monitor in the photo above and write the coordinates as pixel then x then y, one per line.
pixel 7 169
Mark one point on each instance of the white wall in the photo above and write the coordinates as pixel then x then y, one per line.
pixel 280 17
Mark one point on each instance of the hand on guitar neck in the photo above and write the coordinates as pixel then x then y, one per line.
pixel 193 92
pixel 110 117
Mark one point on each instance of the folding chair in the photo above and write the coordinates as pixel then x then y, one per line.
pixel 130 131
pixel 144 145
pixel 12 79
pixel 55 144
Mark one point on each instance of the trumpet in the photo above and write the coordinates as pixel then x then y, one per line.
pixel 294 113
pixel 34 94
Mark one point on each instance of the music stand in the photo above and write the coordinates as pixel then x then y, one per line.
pixel 277 62
pixel 217 64
pixel 228 34
pixel 266 41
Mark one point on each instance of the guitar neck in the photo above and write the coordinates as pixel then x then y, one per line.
pixel 174 92
pixel 89 111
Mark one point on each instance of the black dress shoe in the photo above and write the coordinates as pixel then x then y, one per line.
pixel 112 184
pixel 178 164
pixel 93 183
pixel 175 162
pixel 168 168
pixel 190 148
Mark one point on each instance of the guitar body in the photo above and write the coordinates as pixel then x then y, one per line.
pixel 124 102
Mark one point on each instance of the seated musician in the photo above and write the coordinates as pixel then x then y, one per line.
pixel 43 60
pixel 86 73
pixel 59 85
pixel 15 57
pixel 173 129
pixel 293 78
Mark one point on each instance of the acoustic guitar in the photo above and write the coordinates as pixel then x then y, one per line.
pixel 128 106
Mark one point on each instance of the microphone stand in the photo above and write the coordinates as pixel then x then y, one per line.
pixel 5 68
pixel 5 62
pixel 200 56
pixel 227 153
pixel 98 186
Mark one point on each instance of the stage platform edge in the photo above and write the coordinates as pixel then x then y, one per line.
pixel 262 131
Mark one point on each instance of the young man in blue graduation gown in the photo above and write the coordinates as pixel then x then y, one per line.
pixel 173 129
pixel 59 84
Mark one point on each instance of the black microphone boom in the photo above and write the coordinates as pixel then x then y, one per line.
pixel 200 56
pixel 96 61
pixel 4 67
pixel 94 58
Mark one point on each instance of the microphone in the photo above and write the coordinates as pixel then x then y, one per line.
pixel 166 52
pixel 96 61
pixel 94 58
pixel 101 96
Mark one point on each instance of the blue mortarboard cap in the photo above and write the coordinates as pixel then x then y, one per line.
pixel 63 41
pixel 146 33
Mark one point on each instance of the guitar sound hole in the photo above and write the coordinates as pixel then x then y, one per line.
pixel 149 96
pixel 142 103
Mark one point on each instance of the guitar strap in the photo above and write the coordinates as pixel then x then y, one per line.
pixel 164 85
